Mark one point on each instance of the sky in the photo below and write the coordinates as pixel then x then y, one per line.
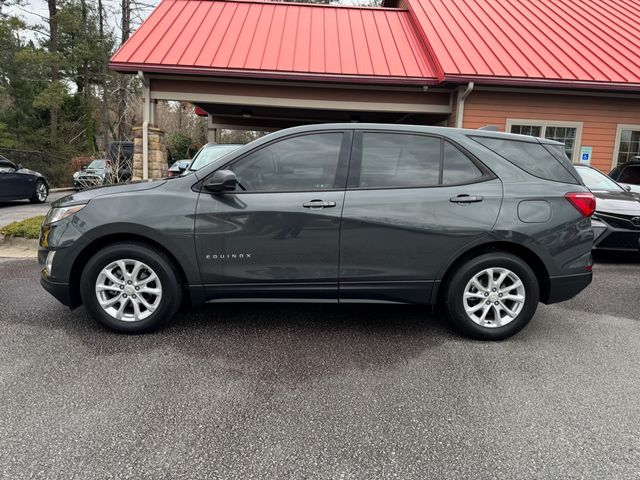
pixel 35 12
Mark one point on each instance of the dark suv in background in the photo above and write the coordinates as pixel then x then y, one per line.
pixel 628 174
pixel 483 223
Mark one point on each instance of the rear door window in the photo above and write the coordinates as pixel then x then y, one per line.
pixel 399 160
pixel 457 168
pixel 532 157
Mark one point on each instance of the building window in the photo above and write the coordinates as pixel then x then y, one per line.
pixel 628 144
pixel 564 132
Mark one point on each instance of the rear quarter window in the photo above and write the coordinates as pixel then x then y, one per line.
pixel 531 157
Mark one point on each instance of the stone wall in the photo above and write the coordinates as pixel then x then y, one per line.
pixel 157 153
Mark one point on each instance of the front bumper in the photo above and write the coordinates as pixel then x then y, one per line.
pixel 615 237
pixel 60 291
pixel 566 287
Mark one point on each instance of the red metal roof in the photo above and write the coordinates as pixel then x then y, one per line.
pixel 296 41
pixel 578 43
pixel 566 43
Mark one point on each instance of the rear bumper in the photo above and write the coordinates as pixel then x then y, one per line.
pixel 567 286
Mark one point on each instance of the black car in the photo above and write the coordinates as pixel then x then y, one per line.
pixel 19 183
pixel 616 223
pixel 485 224
pixel 628 174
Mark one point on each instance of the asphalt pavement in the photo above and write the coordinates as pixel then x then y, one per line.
pixel 320 391
pixel 23 209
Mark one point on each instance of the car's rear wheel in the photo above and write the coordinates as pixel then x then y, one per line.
pixel 40 192
pixel 492 296
pixel 131 287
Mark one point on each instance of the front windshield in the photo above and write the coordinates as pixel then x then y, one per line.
pixel 594 180
pixel 206 155
pixel 97 164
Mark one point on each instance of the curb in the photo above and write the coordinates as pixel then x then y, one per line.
pixel 63 189
pixel 17 247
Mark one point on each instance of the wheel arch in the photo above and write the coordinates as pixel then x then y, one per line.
pixel 89 250
pixel 524 253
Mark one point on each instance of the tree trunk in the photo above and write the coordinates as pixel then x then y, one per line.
pixel 122 91
pixel 103 81
pixel 53 49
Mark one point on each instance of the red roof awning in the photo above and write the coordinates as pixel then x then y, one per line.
pixel 593 44
pixel 569 43
pixel 283 40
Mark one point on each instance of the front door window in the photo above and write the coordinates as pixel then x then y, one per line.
pixel 304 163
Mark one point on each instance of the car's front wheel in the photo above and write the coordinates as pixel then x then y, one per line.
pixel 40 192
pixel 131 287
pixel 492 296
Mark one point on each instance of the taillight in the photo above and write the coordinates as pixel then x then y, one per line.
pixel 584 202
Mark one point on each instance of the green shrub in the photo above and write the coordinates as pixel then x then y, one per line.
pixel 29 228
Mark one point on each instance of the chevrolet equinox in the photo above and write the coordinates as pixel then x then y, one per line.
pixel 483 224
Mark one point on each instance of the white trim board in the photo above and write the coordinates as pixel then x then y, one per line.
pixel 551 123
pixel 616 145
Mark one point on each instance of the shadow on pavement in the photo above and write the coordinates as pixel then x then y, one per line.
pixel 614 257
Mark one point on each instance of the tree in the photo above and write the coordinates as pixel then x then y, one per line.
pixel 125 25
pixel 53 50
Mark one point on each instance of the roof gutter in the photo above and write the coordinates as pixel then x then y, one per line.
pixel 124 67
pixel 542 83
pixel 460 107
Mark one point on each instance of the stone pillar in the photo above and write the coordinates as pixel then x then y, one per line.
pixel 157 153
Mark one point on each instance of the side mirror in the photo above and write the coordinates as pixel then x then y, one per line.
pixel 627 188
pixel 221 181
pixel 84 167
pixel 20 167
pixel 182 167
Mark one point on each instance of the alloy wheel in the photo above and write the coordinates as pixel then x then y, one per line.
pixel 41 192
pixel 494 297
pixel 128 290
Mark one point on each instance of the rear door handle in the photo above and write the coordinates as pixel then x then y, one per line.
pixel 316 204
pixel 466 199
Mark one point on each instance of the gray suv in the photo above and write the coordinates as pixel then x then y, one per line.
pixel 482 223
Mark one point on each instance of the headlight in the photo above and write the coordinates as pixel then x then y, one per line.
pixel 76 174
pixel 57 214
pixel 599 227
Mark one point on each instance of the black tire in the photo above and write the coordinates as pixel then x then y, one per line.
pixel 455 288
pixel 158 261
pixel 37 188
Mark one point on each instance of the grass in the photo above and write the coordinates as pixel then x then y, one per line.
pixel 29 228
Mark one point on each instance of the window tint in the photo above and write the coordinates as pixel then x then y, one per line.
pixel 399 160
pixel 457 168
pixel 533 158
pixel 630 175
pixel 307 162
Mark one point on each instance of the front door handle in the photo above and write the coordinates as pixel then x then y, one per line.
pixel 317 204
pixel 466 199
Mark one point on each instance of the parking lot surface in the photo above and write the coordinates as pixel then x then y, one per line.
pixel 320 391
pixel 22 209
